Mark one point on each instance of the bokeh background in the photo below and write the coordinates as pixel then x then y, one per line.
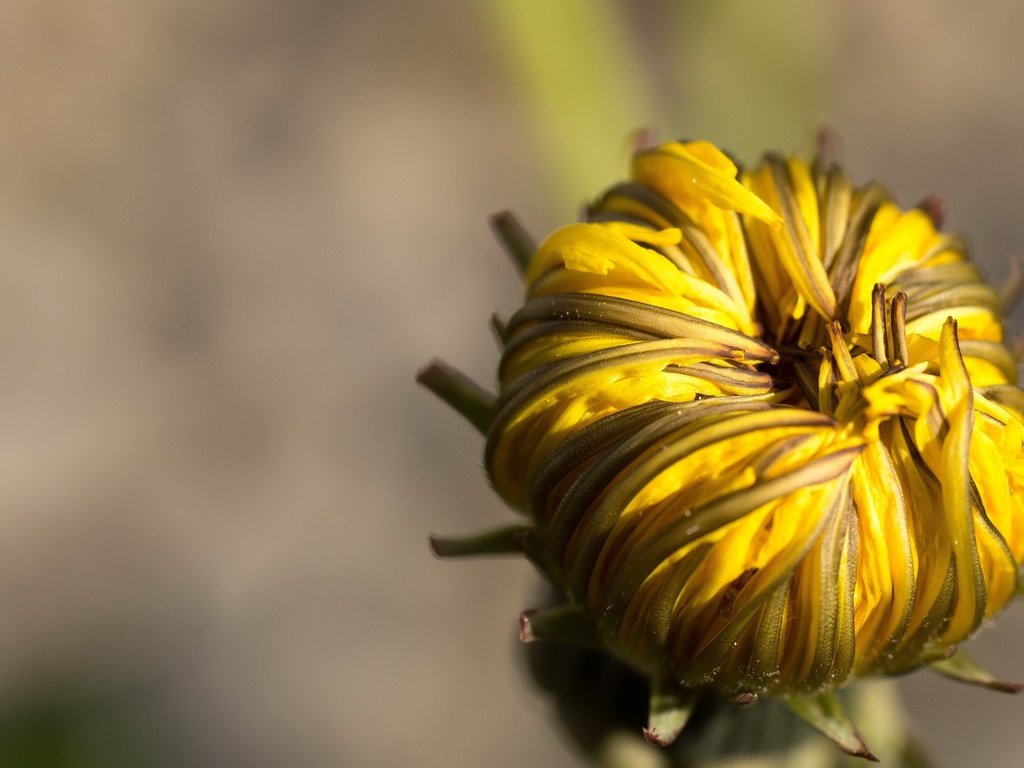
pixel 232 231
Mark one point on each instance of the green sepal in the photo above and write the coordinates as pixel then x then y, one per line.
pixel 824 713
pixel 501 541
pixel 514 238
pixel 499 328
pixel 669 711
pixel 1013 287
pixel 963 669
pixel 465 396
pixel 566 625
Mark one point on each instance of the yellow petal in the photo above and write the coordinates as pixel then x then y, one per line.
pixel 698 170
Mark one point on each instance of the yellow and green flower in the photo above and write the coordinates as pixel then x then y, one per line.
pixel 765 433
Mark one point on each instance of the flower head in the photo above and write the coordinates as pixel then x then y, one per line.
pixel 764 429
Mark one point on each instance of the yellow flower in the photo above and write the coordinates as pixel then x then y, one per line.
pixel 765 431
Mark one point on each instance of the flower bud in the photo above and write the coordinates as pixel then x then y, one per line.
pixel 765 433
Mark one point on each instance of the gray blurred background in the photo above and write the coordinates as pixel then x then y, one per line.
pixel 231 232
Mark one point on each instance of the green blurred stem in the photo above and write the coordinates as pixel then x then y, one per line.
pixel 576 72
pixel 752 75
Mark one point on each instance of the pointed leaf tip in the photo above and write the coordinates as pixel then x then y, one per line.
pixel 670 710
pixel 566 624
pixel 825 714
pixel 1014 285
pixel 514 238
pixel 963 669
pixel 934 207
pixel 526 626
pixel 502 541
pixel 653 737
pixel 465 396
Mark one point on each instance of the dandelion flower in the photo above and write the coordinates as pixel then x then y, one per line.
pixel 764 430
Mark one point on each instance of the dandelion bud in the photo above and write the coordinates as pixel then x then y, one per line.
pixel 764 432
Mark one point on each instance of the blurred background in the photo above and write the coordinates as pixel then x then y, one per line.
pixel 230 234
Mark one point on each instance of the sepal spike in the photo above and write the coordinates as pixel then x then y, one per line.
pixel 567 625
pixel 501 541
pixel 670 710
pixel 465 396
pixel 963 669
pixel 499 328
pixel 1014 286
pixel 934 207
pixel 514 238
pixel 824 713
